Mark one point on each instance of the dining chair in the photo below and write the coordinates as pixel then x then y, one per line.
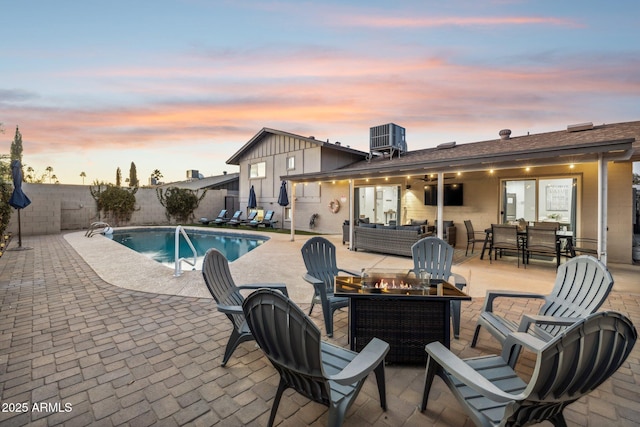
pixel 541 241
pixel 504 237
pixel 473 237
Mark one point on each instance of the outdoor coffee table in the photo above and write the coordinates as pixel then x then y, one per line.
pixel 402 311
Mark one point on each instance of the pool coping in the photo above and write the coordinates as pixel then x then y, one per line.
pixel 126 268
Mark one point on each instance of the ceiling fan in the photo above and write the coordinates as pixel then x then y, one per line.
pixel 433 178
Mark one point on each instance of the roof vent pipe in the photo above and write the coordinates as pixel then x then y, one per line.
pixel 505 133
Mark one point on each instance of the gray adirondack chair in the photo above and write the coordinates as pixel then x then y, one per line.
pixel 568 367
pixel 320 371
pixel 435 256
pixel 217 277
pixel 319 257
pixel 582 285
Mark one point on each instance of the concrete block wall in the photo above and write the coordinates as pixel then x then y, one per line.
pixel 55 208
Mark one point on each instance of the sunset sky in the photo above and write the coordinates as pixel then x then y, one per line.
pixel 183 84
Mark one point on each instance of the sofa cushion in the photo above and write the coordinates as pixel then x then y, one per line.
pixel 367 225
pixel 387 227
pixel 419 222
pixel 416 228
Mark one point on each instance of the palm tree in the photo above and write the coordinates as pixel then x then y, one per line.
pixel 83 175
pixel 49 170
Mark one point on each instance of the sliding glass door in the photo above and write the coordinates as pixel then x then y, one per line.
pixel 380 203
pixel 540 200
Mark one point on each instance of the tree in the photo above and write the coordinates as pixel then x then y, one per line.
pixel 133 175
pixel 118 177
pixel 636 179
pixel 83 176
pixel 6 189
pixel 49 170
pixel 155 176
pixel 16 146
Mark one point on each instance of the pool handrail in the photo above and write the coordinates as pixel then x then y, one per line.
pixel 98 227
pixel 178 261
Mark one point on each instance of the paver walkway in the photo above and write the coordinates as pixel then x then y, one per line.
pixel 78 351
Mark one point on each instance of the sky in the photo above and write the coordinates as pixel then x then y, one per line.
pixel 177 85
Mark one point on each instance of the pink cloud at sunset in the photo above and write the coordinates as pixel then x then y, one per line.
pixel 171 97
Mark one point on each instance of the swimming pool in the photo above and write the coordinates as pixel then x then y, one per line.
pixel 159 243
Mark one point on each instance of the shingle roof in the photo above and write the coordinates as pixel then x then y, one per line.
pixel 206 182
pixel 619 139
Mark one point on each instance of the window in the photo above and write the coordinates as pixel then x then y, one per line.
pixel 543 199
pixel 380 204
pixel 258 170
pixel 291 163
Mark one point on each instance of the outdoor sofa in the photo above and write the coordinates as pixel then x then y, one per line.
pixel 388 239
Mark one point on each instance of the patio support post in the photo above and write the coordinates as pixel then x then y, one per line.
pixel 439 219
pixel 602 208
pixel 293 211
pixel 351 212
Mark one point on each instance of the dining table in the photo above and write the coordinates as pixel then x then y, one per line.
pixel 565 241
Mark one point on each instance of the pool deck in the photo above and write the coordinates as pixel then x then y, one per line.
pixel 90 323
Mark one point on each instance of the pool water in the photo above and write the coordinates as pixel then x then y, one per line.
pixel 159 244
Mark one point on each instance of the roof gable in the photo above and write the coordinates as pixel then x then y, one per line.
pixel 265 132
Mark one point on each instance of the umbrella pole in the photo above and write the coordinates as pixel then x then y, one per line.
pixel 19 247
pixel 19 230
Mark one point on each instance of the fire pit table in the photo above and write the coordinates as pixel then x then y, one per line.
pixel 399 308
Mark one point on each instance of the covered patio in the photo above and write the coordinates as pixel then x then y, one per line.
pixel 595 161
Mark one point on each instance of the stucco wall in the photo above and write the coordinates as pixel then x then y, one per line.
pixel 56 208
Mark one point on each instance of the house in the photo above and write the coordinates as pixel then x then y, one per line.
pixel 271 155
pixel 580 176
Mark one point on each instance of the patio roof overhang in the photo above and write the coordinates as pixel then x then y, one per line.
pixel 613 150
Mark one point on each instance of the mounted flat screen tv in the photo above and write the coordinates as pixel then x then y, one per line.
pixel 453 195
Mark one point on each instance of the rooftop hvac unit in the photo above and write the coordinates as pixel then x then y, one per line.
pixel 192 174
pixel 387 138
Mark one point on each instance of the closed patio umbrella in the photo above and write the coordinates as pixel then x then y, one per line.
pixel 18 199
pixel 283 198
pixel 252 203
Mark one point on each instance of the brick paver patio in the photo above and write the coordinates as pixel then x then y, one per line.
pixel 78 351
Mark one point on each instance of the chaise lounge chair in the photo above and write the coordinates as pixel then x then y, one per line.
pixel 267 221
pixel 235 220
pixel 252 217
pixel 222 216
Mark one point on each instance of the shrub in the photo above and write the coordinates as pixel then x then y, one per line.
pixel 179 203
pixel 117 204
